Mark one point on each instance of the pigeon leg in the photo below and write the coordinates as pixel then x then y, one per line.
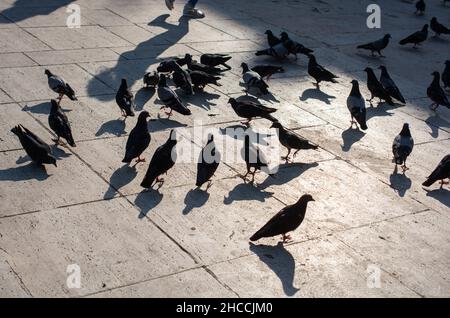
pixel 246 123
pixel 60 98
pixel 139 159
pixel 56 140
pixel 169 113
pixel 286 238
pixel 162 107
pixel 287 156
pixel 253 176
pixel 404 167
pixel 295 153
pixel 209 185
pixel 444 182
pixel 434 106
pixel 380 54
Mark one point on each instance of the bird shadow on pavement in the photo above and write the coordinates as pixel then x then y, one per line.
pixel 435 122
pixel 381 110
pixel 246 192
pixel 350 136
pixel 399 182
pixel 286 173
pixel 315 93
pixel 31 171
pixel 442 195
pixel 202 99
pixel 159 124
pixel 281 262
pixel 195 198
pixel 147 200
pixel 238 132
pixel 41 108
pixel 120 178
pixel 142 96
pixel 115 127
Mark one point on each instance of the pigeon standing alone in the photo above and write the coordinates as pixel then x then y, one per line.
pixel 287 220
pixel 389 85
pixel 420 7
pixel 267 70
pixel 376 46
pixel 446 75
pixel 250 109
pixel 125 99
pixel 376 88
pixel 417 37
pixel 441 172
pixel 138 140
pixel 402 147
pixel 208 162
pixel 253 81
pixel 58 85
pixel 436 93
pixel 319 73
pixel 59 123
pixel 357 106
pixel 215 60
pixel 151 79
pixel 170 99
pixel 438 28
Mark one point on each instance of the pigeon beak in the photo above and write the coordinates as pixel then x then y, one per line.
pixel 55 164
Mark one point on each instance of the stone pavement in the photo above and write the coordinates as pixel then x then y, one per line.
pixel 366 222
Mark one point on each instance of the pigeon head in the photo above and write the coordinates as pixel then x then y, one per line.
pixel 188 58
pixel 305 199
pixel 284 36
pixel 382 68
pixel 277 125
pixel 354 82
pixel 311 57
pixel 173 136
pixel 231 101
pixel 435 74
pixel 143 115
pixel 268 32
pixel 162 81
pixel 387 36
pixel 433 20
pixel 48 73
pixel 123 82
pixel 210 137
pixel 425 27
pixel 244 67
pixel 405 130
pixel 368 70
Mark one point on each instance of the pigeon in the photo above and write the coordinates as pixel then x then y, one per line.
pixel 208 162
pixel 201 79
pixel 58 85
pixel 272 40
pixel 163 159
pixel 294 47
pixel 35 147
pixel 253 81
pixel 278 51
pixel 291 140
pixel 376 46
pixel 125 99
pixel 170 99
pixel 376 88
pixel 196 66
pixel 438 28
pixel 151 79
pixel 417 37
pixel 215 60
pixel 287 220
pixel 318 72
pixel 59 123
pixel 357 106
pixel 254 158
pixel 441 172
pixel 389 85
pixel 138 140
pixel 436 93
pixel 164 66
pixel 402 147
pixel 181 78
pixel 250 109
pixel 420 7
pixel 446 75
pixel 267 70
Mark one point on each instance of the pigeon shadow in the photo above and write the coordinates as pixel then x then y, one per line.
pixel 41 108
pixel 442 195
pixel 399 182
pixel 195 198
pixel 315 93
pixel 120 178
pixel 246 192
pixel 146 201
pixel 143 96
pixel 350 137
pixel 381 110
pixel 163 123
pixel 238 132
pixel 286 173
pixel 22 11
pixel 203 99
pixel 59 152
pixel 31 171
pixel 435 122
pixel 281 262
pixel 114 127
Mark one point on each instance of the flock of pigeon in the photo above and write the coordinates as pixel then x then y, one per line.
pixel 197 74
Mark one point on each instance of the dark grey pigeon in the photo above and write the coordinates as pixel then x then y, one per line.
pixel 60 125
pixel 250 109
pixel 291 140
pixel 151 79
pixel 181 78
pixel 436 93
pixel 253 81
pixel 164 66
pixel 441 172
pixel 272 40
pixel 389 85
pixel 357 106
pixel 287 220
pixel 208 162
pixel 35 147
pixel 254 158
pixel 446 75
pixel 319 73
pixel 58 85
pixel 125 99
pixel 376 88
pixel 201 79
pixel 420 7
pixel 196 66
pixel 278 51
pixel 417 37
pixel 438 28
pixel 215 60
pixel 376 46
pixel 267 70
pixel 170 99
pixel 294 47
pixel 138 140
pixel 402 147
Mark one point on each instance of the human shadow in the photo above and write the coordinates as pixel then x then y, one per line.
pixel 314 93
pixel 120 178
pixel 21 10
pixel 349 137
pixel 281 262
pixel 286 173
pixel 399 182
pixel 114 127
pixel 442 195
pixel 31 171
pixel 195 198
pixel 113 75
pixel 246 192
pixel 143 96
pixel 147 200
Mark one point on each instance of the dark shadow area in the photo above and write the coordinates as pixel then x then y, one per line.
pixel 399 182
pixel 162 123
pixel 41 108
pixel 120 178
pixel 143 96
pixel 59 153
pixel 195 198
pixel 238 131
pixel 115 127
pixel 31 171
pixel 435 122
pixel 202 99
pixel 351 136
pixel 21 10
pixel 314 93
pixel 381 110
pixel 147 200
pixel 442 195
pixel 287 172
pixel 281 262
pixel 246 192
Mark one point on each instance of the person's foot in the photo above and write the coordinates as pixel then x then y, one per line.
pixel 169 4
pixel 191 12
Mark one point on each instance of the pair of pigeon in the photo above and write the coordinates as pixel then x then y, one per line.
pixel 385 88
pixel 281 47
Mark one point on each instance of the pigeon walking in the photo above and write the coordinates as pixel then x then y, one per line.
pixel 253 81
pixel 163 159
pixel 319 73
pixel 294 47
pixel 208 163
pixel 215 60
pixel 170 99
pixel 196 66
pixel 376 46
pixel 201 79
pixel 402 147
pixel 272 40
pixel 151 79
pixel 138 140
pixel 436 93
pixel 254 158
pixel 250 109
pixel 181 78
pixel 291 141
pixel 438 28
pixel 441 172
pixel 58 85
pixel 357 106
pixel 376 88
pixel 60 125
pixel 287 220
pixel 446 75
pixel 389 85
pixel 420 7
pixel 417 37
pixel 35 147
pixel 125 99
pixel 267 70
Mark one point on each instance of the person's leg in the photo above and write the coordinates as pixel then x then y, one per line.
pixel 169 4
pixel 192 3
pixel 190 10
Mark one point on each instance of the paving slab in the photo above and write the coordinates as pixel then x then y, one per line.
pixel 4 98
pixel 15 60
pixel 72 56
pixel 11 285
pixel 104 18
pixel 17 40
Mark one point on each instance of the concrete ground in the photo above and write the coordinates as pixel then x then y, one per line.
pixel 370 232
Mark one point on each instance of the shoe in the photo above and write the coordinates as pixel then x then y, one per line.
pixel 191 12
pixel 169 4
